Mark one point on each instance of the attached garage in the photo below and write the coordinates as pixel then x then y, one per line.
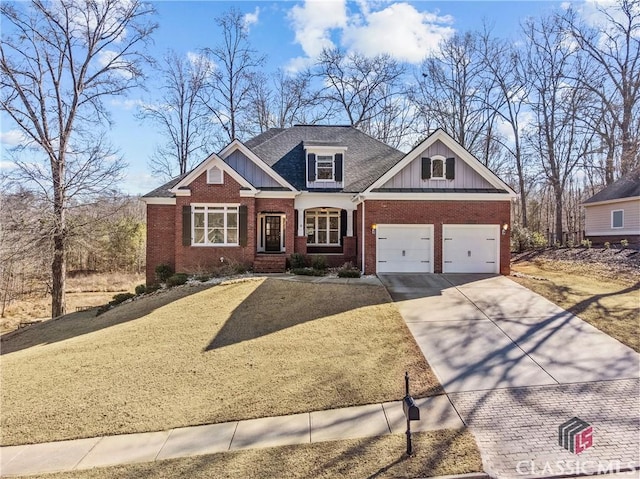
pixel 471 248
pixel 404 248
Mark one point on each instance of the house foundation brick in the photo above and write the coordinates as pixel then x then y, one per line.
pixel 160 239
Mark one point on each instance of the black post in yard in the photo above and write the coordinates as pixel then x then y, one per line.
pixel 409 445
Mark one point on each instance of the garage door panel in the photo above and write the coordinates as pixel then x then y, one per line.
pixel 404 248
pixel 470 248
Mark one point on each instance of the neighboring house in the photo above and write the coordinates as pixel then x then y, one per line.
pixel 613 214
pixel 334 191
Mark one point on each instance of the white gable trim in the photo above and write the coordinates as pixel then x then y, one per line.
pixel 433 196
pixel 153 200
pixel 238 145
pixel 212 160
pixel 454 146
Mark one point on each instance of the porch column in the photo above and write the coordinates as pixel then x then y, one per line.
pixel 300 225
pixel 349 222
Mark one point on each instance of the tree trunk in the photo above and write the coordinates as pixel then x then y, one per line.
pixel 559 210
pixel 59 273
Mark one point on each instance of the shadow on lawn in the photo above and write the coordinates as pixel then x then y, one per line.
pixel 278 305
pixel 77 324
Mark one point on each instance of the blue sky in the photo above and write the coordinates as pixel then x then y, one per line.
pixel 290 33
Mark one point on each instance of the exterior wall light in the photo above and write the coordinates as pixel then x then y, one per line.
pixel 505 227
pixel 374 227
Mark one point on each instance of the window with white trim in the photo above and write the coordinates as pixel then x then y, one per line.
pixel 437 168
pixel 325 168
pixel 214 176
pixel 323 227
pixel 617 219
pixel 215 225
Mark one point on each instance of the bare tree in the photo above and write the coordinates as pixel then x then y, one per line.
pixel 557 136
pixel 58 61
pixel 451 93
pixel 361 89
pixel 613 76
pixel 179 113
pixel 503 64
pixel 228 92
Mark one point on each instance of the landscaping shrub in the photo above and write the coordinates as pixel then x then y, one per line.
pixel 586 243
pixel 348 270
pixel 177 279
pixel 203 278
pixel 607 245
pixel 153 287
pixel 121 298
pixel 163 272
pixel 523 239
pixel 319 263
pixel 538 240
pixel 298 260
pixel 624 243
pixel 140 289
pixel 308 272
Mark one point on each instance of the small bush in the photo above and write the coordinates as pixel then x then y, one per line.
pixel 607 245
pixel 163 272
pixel 152 288
pixel 203 278
pixel 177 279
pixel 523 239
pixel 308 272
pixel 348 273
pixel 298 260
pixel 121 298
pixel 586 243
pixel 624 243
pixel 140 289
pixel 538 240
pixel 319 263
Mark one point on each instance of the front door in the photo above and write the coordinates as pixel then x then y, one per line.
pixel 272 232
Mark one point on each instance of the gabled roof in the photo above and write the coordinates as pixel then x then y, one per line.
pixel 453 145
pixel 627 186
pixel 366 158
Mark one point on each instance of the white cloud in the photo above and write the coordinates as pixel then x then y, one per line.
pixel 127 104
pixel 370 28
pixel 251 18
pixel 13 138
pixel 313 22
pixel 400 31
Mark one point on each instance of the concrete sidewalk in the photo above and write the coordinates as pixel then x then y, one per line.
pixel 318 426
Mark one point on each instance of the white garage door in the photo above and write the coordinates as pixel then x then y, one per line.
pixel 404 248
pixel 470 248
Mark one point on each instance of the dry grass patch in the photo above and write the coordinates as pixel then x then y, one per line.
pixel 436 453
pixel 611 304
pixel 235 351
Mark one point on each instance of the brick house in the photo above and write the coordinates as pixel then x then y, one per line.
pixel 337 192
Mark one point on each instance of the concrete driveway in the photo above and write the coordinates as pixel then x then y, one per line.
pixel 516 367
pixel 482 332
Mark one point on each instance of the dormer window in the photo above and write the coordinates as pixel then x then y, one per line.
pixel 437 168
pixel 325 166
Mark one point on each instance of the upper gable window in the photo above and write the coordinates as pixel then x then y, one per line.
pixel 214 176
pixel 437 168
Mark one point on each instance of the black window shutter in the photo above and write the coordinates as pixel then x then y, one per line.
pixel 426 168
pixel 343 224
pixel 242 225
pixel 186 225
pixel 450 171
pixel 338 167
pixel 311 167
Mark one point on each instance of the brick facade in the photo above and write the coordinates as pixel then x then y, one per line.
pixel 161 231
pixel 436 213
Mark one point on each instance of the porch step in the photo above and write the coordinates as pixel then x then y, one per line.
pixel 270 263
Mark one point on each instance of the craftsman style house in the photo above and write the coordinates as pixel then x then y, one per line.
pixel 334 191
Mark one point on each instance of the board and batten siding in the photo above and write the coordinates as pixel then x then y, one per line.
pixel 598 218
pixel 250 171
pixel 411 177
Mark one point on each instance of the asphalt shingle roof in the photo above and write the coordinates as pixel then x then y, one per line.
pixel 626 187
pixel 365 160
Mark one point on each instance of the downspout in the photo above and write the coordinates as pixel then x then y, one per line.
pixel 363 238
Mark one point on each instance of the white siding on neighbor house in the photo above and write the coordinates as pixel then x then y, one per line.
pixel 411 175
pixel 598 218
pixel 250 171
